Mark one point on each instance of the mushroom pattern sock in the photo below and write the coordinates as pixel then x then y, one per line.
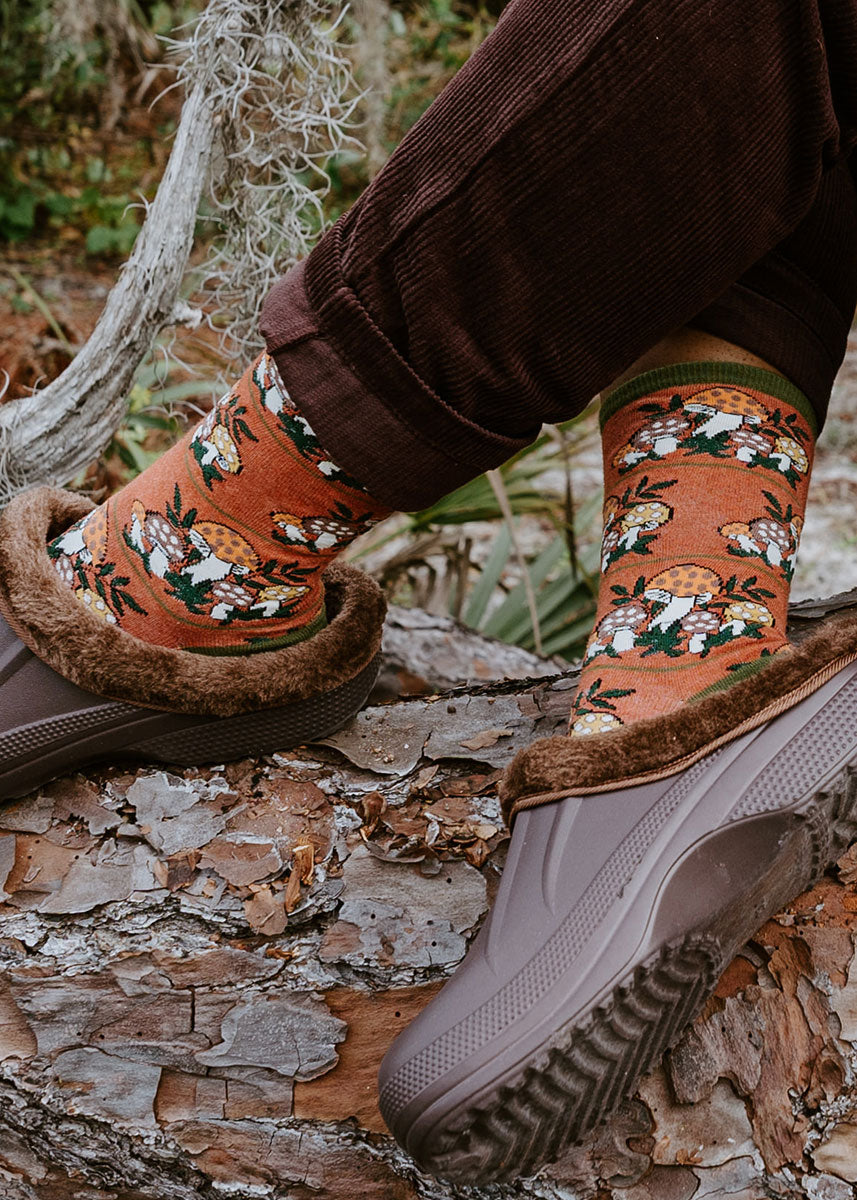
pixel 219 546
pixel 706 470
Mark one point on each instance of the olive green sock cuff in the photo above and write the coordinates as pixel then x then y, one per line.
pixel 711 373
pixel 257 644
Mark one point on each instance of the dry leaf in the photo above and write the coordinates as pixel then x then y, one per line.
pixel 266 912
pixel 485 738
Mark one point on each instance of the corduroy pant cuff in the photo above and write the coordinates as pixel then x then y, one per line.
pixel 375 417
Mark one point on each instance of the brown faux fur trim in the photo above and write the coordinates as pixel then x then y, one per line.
pixel 662 745
pixel 105 660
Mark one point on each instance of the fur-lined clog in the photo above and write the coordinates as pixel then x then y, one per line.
pixel 74 689
pixel 640 862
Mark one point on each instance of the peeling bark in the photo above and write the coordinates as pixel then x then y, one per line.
pixel 200 972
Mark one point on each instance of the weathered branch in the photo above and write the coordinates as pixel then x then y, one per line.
pixel 199 973
pixel 49 435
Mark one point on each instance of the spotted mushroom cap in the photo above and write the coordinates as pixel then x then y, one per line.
pixel 226 448
pixel 229 592
pixel 734 529
pixel 670 425
pixel 138 510
pixel 686 579
pixel 94 533
pixel 64 567
pixel 751 440
pixel 95 604
pixel 796 452
pixel 643 514
pixel 595 722
pixel 627 616
pixel 769 530
pixel 159 530
pixel 612 504
pixel 700 621
pixel 619 456
pixel 339 529
pixel 226 544
pixel 284 518
pixel 281 592
pixel 797 524
pixel 206 425
pixel 748 610
pixel 727 400
pixel 610 541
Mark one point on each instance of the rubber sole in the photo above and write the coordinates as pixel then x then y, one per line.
pixel 36 751
pixel 542 1107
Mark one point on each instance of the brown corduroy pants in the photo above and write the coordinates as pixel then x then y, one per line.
pixel 598 174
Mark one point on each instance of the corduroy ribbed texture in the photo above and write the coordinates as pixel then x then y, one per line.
pixel 596 176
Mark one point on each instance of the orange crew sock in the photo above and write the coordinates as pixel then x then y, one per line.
pixel 706 470
pixel 220 545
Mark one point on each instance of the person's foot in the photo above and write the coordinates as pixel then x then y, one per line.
pixel 640 862
pixel 220 546
pixel 706 470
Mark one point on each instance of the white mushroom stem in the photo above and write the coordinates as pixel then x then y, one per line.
pixel 209 568
pixel 676 607
pixel 159 561
pixel 211 453
pixel 221 611
pixel 720 422
pixel 623 639
pixel 668 444
pixel 747 544
pixel 697 643
pixel 775 555
pixel 594 648
pixel 629 537
pixel 782 460
pixel 266 608
pixel 72 542
pixel 746 454
pixel 734 626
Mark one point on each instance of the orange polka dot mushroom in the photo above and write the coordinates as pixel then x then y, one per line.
pixel 224 552
pixel 726 409
pixel 790 455
pixel 87 539
pixel 292 526
pixel 681 589
pixel 739 531
pixel 738 615
pixel 595 722
pixel 612 504
pixel 627 455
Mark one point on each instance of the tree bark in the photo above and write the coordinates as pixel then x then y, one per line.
pixel 200 971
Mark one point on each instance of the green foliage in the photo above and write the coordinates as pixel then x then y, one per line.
pixel 563 579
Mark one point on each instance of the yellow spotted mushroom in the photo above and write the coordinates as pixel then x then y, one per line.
pixel 595 722
pixel 741 613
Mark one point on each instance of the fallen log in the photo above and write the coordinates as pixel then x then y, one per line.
pixel 200 971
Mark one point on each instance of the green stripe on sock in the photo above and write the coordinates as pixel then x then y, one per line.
pixel 712 373
pixel 288 639
pixel 732 677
